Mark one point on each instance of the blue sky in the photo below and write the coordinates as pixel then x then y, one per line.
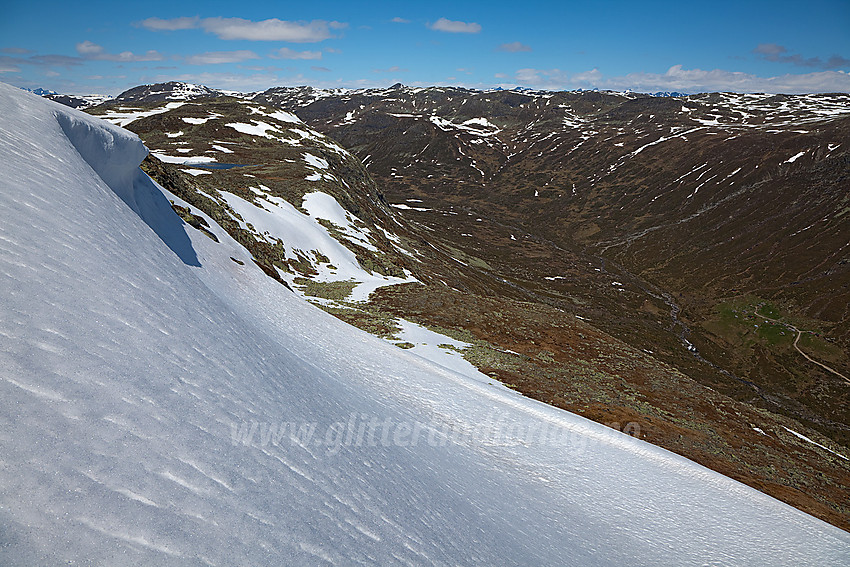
pixel 107 47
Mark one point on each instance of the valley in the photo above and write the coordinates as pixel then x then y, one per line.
pixel 607 253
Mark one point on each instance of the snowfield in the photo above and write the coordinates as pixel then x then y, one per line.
pixel 304 235
pixel 158 395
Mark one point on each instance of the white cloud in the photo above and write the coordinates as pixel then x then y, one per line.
pixel 697 80
pixel 514 47
pixel 542 78
pixel 240 28
pixel 267 30
pixel 160 24
pixel 590 77
pixel 450 26
pixel 398 20
pixel 91 50
pixel 687 80
pixel 218 57
pixel 286 53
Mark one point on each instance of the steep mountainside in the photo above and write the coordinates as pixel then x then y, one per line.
pixel 651 263
pixel 303 205
pixel 166 403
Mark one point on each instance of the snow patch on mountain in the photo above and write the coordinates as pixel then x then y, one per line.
pixel 795 157
pixel 439 349
pixel 122 116
pixel 199 121
pixel 316 162
pixel 258 128
pixel 477 126
pixel 302 236
pixel 183 160
pixel 323 206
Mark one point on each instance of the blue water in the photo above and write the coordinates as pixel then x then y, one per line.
pixel 217 165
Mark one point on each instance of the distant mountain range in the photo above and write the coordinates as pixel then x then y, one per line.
pixel 179 89
pixel 74 101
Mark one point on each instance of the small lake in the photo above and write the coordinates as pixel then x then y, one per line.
pixel 216 165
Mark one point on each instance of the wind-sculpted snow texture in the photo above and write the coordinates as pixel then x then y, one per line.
pixel 132 380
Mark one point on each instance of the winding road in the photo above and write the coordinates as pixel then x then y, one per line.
pixel 800 334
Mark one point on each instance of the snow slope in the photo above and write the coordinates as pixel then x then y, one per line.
pixel 156 399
